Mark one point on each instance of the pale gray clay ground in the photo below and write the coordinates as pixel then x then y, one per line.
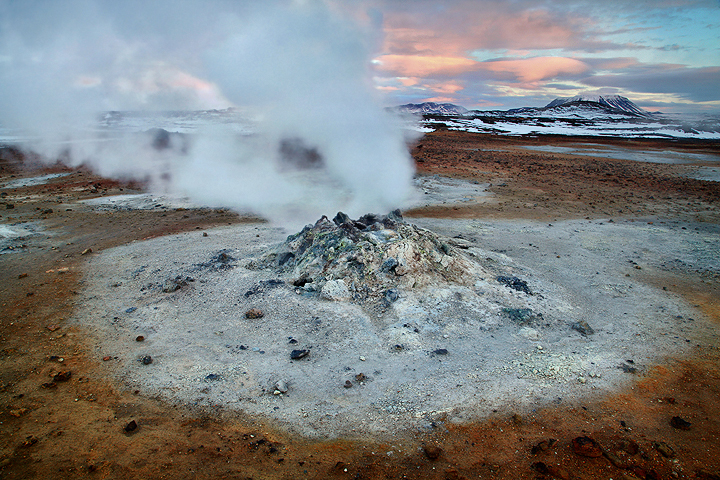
pixel 439 347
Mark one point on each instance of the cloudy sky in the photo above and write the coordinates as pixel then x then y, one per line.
pixel 662 54
pixel 482 54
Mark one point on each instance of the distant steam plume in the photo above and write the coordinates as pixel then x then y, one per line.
pixel 320 140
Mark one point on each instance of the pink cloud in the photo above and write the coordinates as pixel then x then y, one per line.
pixel 536 69
pixel 422 66
pixel 486 104
pixel 440 99
pixel 446 87
pixel 524 70
pixel 408 81
pixel 470 25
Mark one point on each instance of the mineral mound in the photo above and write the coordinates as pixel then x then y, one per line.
pixel 368 259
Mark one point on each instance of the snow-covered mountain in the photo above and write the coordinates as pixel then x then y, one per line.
pixel 431 108
pixel 615 103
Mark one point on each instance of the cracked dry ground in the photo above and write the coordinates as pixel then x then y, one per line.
pixel 57 427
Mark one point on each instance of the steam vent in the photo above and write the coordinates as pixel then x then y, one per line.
pixel 370 260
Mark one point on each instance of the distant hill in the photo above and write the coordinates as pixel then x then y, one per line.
pixel 431 108
pixel 615 103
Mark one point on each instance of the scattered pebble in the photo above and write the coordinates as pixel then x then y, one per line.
pixel 515 283
pixel 107 358
pixel 62 376
pixel 432 452
pixel 664 449
pixel 86 251
pixel 175 284
pixel 542 446
pixel 281 386
pixel 680 423
pixel 139 338
pixel 30 440
pixel 586 447
pixel 298 354
pixel 583 327
pixel 254 313
pixel 348 384
pixel 131 427
pixel 146 360
pixel 627 368
pixel 630 447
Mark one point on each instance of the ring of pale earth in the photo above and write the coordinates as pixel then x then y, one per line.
pixel 376 325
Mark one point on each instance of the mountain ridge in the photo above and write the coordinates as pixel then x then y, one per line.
pixel 612 102
pixel 431 108
pixel 605 103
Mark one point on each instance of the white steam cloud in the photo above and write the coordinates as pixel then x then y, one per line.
pixel 321 140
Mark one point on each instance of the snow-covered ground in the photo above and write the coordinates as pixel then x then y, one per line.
pixel 561 120
pixel 593 124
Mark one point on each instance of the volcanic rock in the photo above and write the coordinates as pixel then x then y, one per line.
pixel 63 376
pixel 175 284
pixel 254 313
pixel 432 452
pixel 298 354
pixel 680 423
pixel 335 290
pixel 665 449
pixel 583 327
pixel 365 258
pixel 586 447
pixel 131 426
pixel 515 283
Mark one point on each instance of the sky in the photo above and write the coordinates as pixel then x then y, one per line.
pixel 664 55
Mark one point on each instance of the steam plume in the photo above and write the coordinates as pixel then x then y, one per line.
pixel 321 141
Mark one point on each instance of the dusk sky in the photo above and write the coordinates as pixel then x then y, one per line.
pixel 482 54
pixel 663 55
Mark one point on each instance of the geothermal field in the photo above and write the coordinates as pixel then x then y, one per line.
pixel 535 307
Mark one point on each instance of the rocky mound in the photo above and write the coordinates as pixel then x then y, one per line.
pixel 368 259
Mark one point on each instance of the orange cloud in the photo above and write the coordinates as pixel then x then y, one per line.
pixel 535 69
pixel 421 66
pixel 440 99
pixel 617 63
pixel 486 104
pixel 446 87
pixel 408 81
pixel 467 25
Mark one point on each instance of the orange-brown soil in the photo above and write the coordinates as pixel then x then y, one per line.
pixel 76 427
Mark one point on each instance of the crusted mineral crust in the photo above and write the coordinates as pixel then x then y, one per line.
pixel 373 256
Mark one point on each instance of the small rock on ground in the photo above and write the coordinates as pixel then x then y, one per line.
pixel 432 452
pixel 586 447
pixel 680 423
pixel 298 354
pixel 335 290
pixel 254 313
pixel 583 327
